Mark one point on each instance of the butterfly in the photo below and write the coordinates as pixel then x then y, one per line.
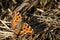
pixel 19 26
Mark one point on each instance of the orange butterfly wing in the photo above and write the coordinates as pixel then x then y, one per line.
pixel 16 19
pixel 26 28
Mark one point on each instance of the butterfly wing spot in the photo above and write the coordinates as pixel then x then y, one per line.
pixel 19 16
pixel 27 26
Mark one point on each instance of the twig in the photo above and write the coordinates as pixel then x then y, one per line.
pixel 36 37
pixel 40 10
pixel 4 34
pixel 5 24
pixel 3 27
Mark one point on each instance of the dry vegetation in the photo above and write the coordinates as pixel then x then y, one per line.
pixel 42 15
